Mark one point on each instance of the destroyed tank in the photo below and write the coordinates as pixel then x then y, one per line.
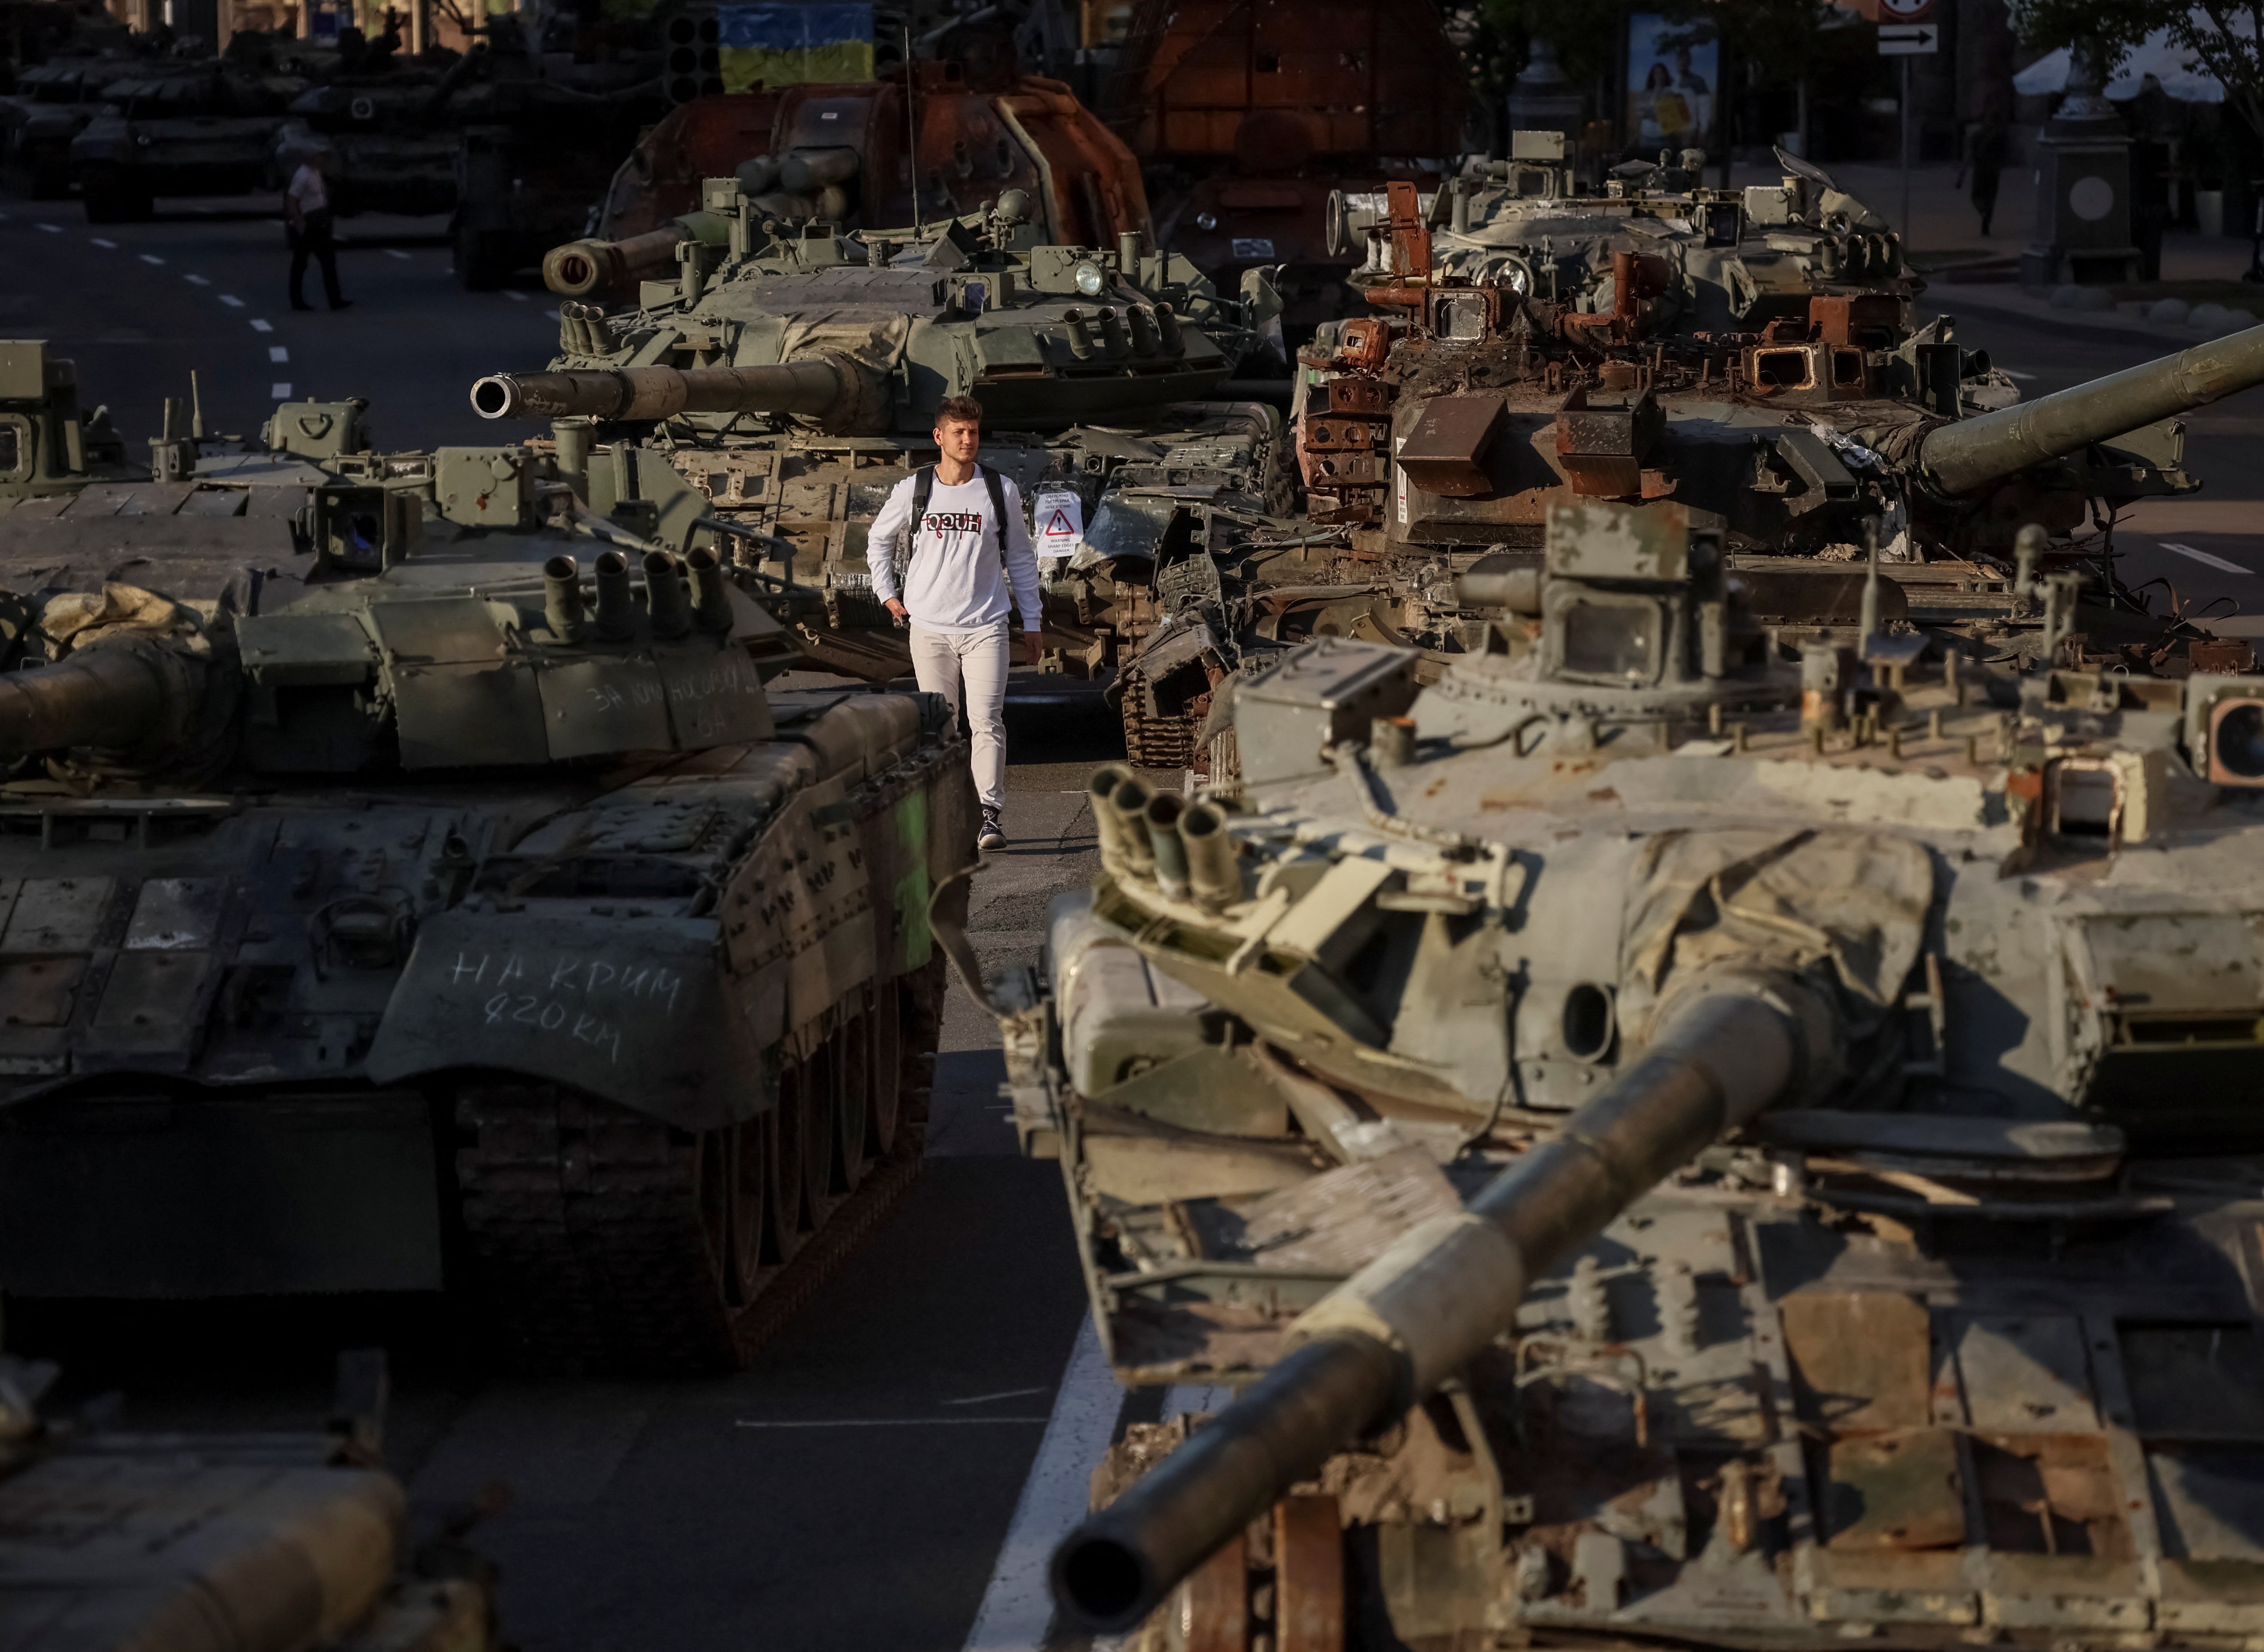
pixel 790 377
pixel 1672 1143
pixel 435 887
pixel 209 131
pixel 1744 363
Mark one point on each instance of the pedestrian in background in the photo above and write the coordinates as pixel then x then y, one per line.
pixel 968 545
pixel 307 220
pixel 1988 144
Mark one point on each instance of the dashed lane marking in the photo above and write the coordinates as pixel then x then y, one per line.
pixel 263 327
pixel 231 301
pixel 111 246
pixel 53 230
pixel 396 252
pixel 2015 372
pixel 277 353
pixel 279 391
pixel 196 280
pixel 516 298
pixel 550 315
pixel 1003 1393
pixel 2204 558
pixel 151 257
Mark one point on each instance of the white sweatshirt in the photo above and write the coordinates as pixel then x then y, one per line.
pixel 956 580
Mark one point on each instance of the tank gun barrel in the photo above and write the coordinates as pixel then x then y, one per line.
pixel 109 694
pixel 1974 452
pixel 814 386
pixel 581 268
pixel 1388 1336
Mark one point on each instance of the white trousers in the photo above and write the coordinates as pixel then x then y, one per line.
pixel 941 660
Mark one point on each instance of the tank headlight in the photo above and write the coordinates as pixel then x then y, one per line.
pixel 1088 279
pixel 1205 221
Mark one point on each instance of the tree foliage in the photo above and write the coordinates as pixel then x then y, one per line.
pixel 2223 36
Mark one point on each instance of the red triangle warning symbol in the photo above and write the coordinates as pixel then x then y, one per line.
pixel 1059 522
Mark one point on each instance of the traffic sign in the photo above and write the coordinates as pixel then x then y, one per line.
pixel 1907 11
pixel 1908 40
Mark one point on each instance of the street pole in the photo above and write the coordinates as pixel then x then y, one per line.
pixel 1903 108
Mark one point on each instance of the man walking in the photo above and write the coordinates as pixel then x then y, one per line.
pixel 306 217
pixel 968 542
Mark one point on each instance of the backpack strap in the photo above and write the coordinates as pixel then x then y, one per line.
pixel 900 559
pixel 998 507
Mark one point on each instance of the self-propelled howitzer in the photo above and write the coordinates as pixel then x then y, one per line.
pixel 468 882
pixel 1672 1143
pixel 792 375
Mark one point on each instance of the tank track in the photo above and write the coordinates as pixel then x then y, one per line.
pixel 584 1220
pixel 1159 742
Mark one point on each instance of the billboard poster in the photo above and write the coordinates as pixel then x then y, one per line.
pixel 788 44
pixel 1674 74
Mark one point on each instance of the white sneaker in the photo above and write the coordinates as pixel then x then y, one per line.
pixel 992 836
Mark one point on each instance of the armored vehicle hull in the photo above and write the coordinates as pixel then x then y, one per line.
pixel 1675 1148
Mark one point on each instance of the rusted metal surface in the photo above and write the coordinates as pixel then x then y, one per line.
pixel 1308 1576
pixel 1603 447
pixel 1446 451
pixel 973 145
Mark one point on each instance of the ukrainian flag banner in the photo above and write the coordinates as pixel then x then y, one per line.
pixel 784 44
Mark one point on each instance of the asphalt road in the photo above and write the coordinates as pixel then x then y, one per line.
pixel 892 1472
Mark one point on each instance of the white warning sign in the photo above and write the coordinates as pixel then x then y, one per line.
pixel 1061 524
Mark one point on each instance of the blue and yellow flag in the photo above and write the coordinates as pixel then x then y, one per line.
pixel 784 44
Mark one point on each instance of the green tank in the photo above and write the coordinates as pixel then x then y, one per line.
pixel 1672 1143
pixel 790 377
pixel 206 129
pixel 415 867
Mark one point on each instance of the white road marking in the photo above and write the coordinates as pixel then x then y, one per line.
pixel 111 246
pixel 2204 558
pixel 516 298
pixel 550 315
pixel 2015 372
pixel 277 353
pixel 1003 1393
pixel 231 301
pixel 885 1421
pixel 396 252
pixel 196 280
pixel 1018 1607
pixel 279 391
pixel 1193 1400
pixel 263 327
pixel 53 230
pixel 151 257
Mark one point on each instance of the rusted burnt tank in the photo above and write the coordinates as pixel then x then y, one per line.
pixel 1743 363
pixel 1671 1144
pixel 442 900
pixel 1249 114
pixel 838 153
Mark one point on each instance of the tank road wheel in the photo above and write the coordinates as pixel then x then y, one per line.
pixel 853 1104
pixel 1235 1602
pixel 784 1127
pixel 885 1061
pixel 735 1207
pixel 807 1088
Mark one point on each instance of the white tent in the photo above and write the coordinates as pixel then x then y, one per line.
pixel 2182 75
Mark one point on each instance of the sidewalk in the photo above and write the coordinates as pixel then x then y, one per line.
pixel 1945 232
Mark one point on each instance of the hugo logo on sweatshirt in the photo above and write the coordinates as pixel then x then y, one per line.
pixel 940 523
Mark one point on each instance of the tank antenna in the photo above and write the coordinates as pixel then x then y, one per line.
pixel 912 132
pixel 196 408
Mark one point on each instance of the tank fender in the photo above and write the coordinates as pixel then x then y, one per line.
pixel 637 1010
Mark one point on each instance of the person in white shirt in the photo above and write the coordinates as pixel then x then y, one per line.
pixel 306 217
pixel 970 545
